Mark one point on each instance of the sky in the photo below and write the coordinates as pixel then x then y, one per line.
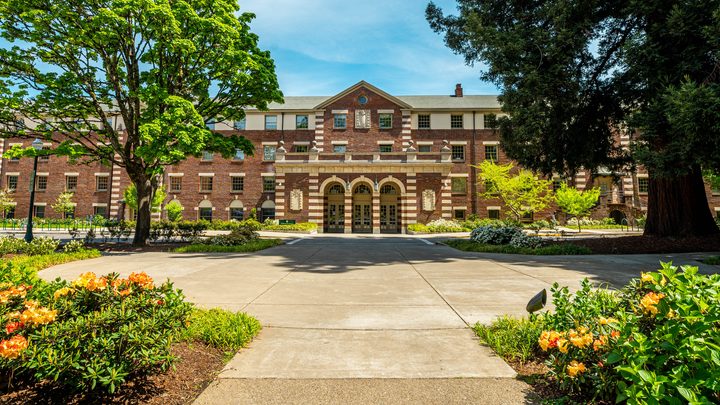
pixel 321 47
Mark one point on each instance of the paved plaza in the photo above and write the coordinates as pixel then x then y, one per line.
pixel 367 318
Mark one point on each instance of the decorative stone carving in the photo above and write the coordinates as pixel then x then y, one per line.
pixel 428 200
pixel 296 200
pixel 362 119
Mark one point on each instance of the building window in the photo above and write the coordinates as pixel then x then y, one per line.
pixel 210 124
pixel 12 182
pixel 269 152
pixel 206 184
pixel 175 184
pixel 101 183
pixel 39 211
pixel 240 124
pixel 557 184
pixel 301 148
pixel 340 121
pixel 424 121
pixel 456 121
pixel 424 148
pixel 239 155
pixel 491 153
pixel 205 213
pixel 206 156
pixel 643 185
pixel 44 158
pixel 385 148
pixel 458 185
pixel 385 121
pixel 237 214
pixel 458 153
pixel 339 148
pixel 10 213
pixel 459 214
pixel 41 183
pixel 238 184
pixel 301 121
pixel 271 122
pixel 494 214
pixel 268 184
pixel 71 183
pixel 100 211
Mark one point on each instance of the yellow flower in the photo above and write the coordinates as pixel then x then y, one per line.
pixel 575 368
pixel 11 348
pixel 562 345
pixel 141 279
pixel 63 292
pixel 36 315
pixel 607 321
pixel 548 339
pixel 650 300
pixel 84 280
pixel 647 278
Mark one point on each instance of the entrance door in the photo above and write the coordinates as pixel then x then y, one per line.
pixel 362 209
pixel 389 209
pixel 335 209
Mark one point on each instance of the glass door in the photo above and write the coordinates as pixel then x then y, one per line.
pixel 362 218
pixel 335 218
pixel 388 218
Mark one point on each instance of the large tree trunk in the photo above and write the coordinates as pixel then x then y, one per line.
pixel 144 199
pixel 678 206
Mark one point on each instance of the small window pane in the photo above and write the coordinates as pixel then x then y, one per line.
pixel 269 152
pixel 176 184
pixel 271 122
pixel 207 156
pixel 494 214
pixel 240 124
pixel 458 152
pixel 456 121
pixel 301 148
pixel 239 154
pixel 71 183
pixel 385 121
pixel 424 121
pixel 385 148
pixel 238 184
pixel 425 148
pixel 44 158
pixel 340 121
pixel 100 211
pixel 459 185
pixel 39 211
pixel 12 182
pixel 268 184
pixel 491 153
pixel 339 148
pixel 643 184
pixel 101 183
pixel 301 121
pixel 206 184
pixel 205 213
pixel 237 214
pixel 459 214
pixel 557 184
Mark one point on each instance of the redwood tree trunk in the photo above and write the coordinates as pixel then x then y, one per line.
pixel 144 198
pixel 678 206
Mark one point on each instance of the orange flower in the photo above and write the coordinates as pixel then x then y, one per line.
pixel 11 348
pixel 607 321
pixel 580 339
pixel 36 315
pixel 562 345
pixel 14 292
pixel 125 292
pixel 84 280
pixel 63 292
pixel 650 300
pixel 96 284
pixel 548 340
pixel 615 334
pixel 599 343
pixel 12 327
pixel 575 368
pixel 141 279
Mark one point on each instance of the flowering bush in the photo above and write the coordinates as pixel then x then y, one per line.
pixel 495 235
pixel 92 333
pixel 38 246
pixel 444 225
pixel 73 246
pixel 521 240
pixel 236 237
pixel 659 342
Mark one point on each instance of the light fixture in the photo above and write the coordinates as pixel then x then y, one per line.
pixel 537 302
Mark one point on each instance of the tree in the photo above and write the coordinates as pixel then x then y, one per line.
pixel 521 193
pixel 7 202
pixel 64 204
pixel 573 75
pixel 174 210
pixel 131 198
pixel 164 69
pixel 575 202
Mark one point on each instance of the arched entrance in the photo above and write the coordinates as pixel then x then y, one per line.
pixel 389 209
pixel 267 210
pixel 334 209
pixel 618 216
pixel 362 209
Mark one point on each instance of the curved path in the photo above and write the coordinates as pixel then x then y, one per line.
pixel 367 319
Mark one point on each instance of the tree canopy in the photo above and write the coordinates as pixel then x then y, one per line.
pixel 574 75
pixel 521 193
pixel 575 202
pixel 162 68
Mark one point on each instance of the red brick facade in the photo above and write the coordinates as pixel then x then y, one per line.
pixel 405 182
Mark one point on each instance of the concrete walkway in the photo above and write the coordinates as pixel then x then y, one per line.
pixel 368 319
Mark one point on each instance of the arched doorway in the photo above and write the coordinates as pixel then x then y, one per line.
pixel 334 209
pixel 389 209
pixel 267 210
pixel 237 210
pixel 362 209
pixel 205 210
pixel 618 216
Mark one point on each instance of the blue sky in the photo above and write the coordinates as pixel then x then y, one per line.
pixel 321 47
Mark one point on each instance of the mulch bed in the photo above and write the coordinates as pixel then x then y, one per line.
pixel 648 244
pixel 197 366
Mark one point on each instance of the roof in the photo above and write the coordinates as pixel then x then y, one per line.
pixel 467 102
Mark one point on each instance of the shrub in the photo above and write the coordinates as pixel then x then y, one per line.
pixel 475 223
pixel 539 225
pixel 495 235
pixel 238 236
pixel 189 230
pixel 300 226
pixel 444 225
pixel 174 210
pixel 41 246
pixel 521 240
pixel 512 338
pixel 11 245
pixel 252 246
pixel 419 228
pixel 554 249
pixel 225 330
pixel 73 246
pixel 656 342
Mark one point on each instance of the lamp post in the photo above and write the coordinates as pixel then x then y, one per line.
pixel 37 145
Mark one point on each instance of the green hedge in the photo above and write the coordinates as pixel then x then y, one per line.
pixel 251 246
pixel 560 249
pixel 297 227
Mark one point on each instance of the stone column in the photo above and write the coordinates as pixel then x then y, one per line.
pixel 410 205
pixel 348 211
pixel 376 212
pixel 315 207
pixel 446 198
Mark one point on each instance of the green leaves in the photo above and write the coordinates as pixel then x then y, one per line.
pixel 521 193
pixel 575 202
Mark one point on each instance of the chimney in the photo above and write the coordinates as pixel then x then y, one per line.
pixel 458 90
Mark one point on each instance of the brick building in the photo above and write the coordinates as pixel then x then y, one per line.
pixel 359 161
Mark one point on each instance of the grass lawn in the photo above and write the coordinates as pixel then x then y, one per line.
pixel 253 246
pixel 40 262
pixel 560 249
